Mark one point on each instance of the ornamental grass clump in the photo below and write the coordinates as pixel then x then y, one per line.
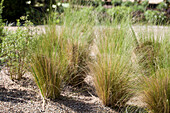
pixel 146 54
pixel 78 29
pixel 155 87
pixel 112 68
pixel 49 62
pixel 76 73
pixel 156 91
pixel 151 51
pixel 78 48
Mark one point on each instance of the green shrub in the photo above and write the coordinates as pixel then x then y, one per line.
pixel 15 49
pixel 127 4
pixel 139 8
pixel 162 6
pixel 145 3
pixel 155 17
pixel 120 12
pixel 85 2
pixel 81 16
pixel 76 1
pixel 117 2
pixel 97 2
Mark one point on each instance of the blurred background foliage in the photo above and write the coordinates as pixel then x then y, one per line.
pixel 14 9
pixel 39 10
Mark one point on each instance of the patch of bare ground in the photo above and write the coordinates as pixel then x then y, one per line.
pixel 24 96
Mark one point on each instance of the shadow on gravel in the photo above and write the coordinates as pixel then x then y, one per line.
pixel 15 95
pixel 85 90
pixel 131 109
pixel 26 82
pixel 76 105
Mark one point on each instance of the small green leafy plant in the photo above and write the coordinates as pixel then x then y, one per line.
pixel 15 48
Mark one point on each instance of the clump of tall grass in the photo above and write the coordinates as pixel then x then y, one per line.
pixel 156 91
pixel 154 88
pixel 147 52
pixel 49 62
pixel 62 55
pixel 112 68
pixel 78 58
pixel 78 30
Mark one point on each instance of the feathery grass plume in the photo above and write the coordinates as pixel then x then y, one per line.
pixel 156 91
pixel 112 68
pixel 49 62
pixel 78 30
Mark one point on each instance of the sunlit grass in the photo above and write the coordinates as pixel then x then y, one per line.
pixel 63 56
pixel 154 59
pixel 156 91
pixel 49 63
pixel 78 29
pixel 112 68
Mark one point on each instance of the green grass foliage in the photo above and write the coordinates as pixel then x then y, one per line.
pixel 111 70
pixel 49 62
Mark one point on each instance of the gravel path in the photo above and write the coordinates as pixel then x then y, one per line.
pixel 137 28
